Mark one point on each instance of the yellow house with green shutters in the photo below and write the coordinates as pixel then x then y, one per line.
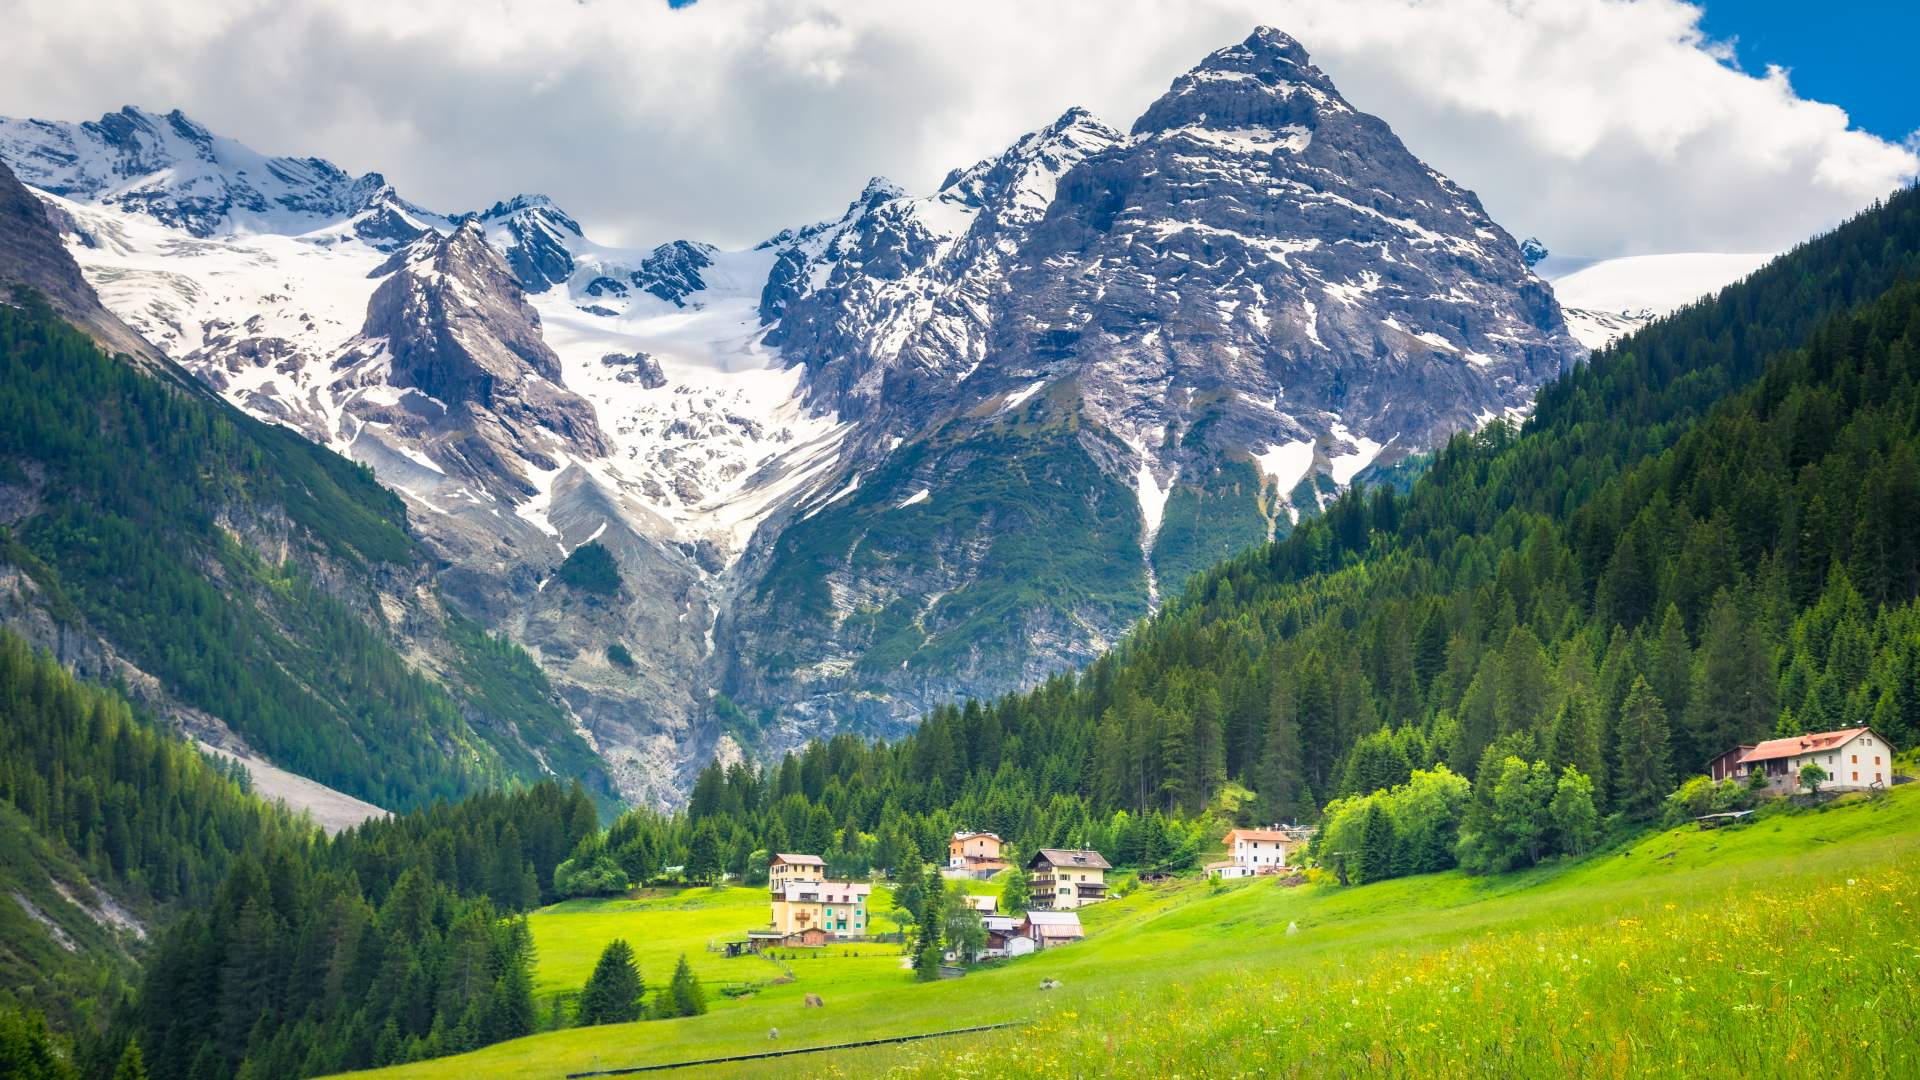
pixel 804 900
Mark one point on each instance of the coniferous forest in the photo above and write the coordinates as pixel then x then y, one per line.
pixel 1701 537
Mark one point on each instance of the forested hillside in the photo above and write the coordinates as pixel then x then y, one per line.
pixel 1717 505
pixel 258 946
pixel 263 581
pixel 106 827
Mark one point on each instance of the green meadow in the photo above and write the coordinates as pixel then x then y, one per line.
pixel 1789 945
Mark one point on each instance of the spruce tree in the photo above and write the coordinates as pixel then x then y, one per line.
pixel 926 944
pixel 612 994
pixel 1574 739
pixel 1733 695
pixel 132 1066
pixel 686 995
pixel 703 855
pixel 1641 776
pixel 1375 862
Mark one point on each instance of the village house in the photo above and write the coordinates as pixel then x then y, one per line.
pixel 807 908
pixel 1255 851
pixel 975 854
pixel 1050 928
pixel 983 903
pixel 1004 937
pixel 1855 759
pixel 1063 879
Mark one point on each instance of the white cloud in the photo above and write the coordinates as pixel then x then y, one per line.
pixel 1603 127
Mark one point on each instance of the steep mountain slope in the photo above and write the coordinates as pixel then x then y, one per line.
pixel 263 592
pixel 1707 519
pixel 1218 319
pixel 942 444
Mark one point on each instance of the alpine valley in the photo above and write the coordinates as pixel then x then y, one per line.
pixel 940 445
pixel 1195 599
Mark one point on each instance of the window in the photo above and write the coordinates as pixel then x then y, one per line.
pixel 1856 777
pixel 1856 759
pixel 1876 759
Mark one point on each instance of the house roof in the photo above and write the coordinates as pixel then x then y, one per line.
pixel 1068 857
pixel 1774 749
pixel 971 835
pixel 793 890
pixel 1221 864
pixel 799 860
pixel 1053 918
pixel 1279 836
pixel 1001 923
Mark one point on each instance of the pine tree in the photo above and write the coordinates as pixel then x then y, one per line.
pixel 132 1065
pixel 612 994
pixel 1375 861
pixel 1574 739
pixel 687 996
pixel 1641 776
pixel 926 945
pixel 1279 776
pixel 1670 670
pixel 1733 695
pixel 703 855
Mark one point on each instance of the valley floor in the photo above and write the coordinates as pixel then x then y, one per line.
pixel 1787 946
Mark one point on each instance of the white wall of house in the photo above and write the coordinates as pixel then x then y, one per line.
pixel 1270 854
pixel 1231 870
pixel 1863 762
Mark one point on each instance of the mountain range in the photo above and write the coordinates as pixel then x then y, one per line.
pixel 942 444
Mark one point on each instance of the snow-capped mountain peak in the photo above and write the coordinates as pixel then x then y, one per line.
pixel 173 169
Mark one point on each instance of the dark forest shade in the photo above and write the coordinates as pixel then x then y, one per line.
pixel 590 569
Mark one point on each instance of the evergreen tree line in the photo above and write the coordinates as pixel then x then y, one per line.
pixel 1696 540
pixel 616 994
pixel 396 940
pixel 138 488
pixel 284 952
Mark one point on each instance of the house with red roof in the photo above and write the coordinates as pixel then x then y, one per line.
pixel 1257 851
pixel 1855 759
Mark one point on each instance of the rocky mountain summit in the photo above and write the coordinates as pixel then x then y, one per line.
pixel 1214 322
pixel 940 444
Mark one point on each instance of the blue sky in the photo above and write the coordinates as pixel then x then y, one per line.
pixel 1859 56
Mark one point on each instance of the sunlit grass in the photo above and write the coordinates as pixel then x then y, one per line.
pixel 1186 980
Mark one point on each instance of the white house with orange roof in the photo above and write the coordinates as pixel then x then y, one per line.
pixel 1854 759
pixel 1255 851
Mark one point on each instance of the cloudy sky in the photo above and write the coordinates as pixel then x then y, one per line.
pixel 1603 127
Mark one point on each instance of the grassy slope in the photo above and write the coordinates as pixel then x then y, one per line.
pixel 1236 984
pixel 663 924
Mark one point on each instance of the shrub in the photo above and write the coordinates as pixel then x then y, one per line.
pixel 590 569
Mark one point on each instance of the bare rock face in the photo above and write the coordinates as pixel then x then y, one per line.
pixel 908 288
pixel 1001 420
pixel 537 236
pixel 639 367
pixel 1113 361
pixel 32 254
pixel 451 322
